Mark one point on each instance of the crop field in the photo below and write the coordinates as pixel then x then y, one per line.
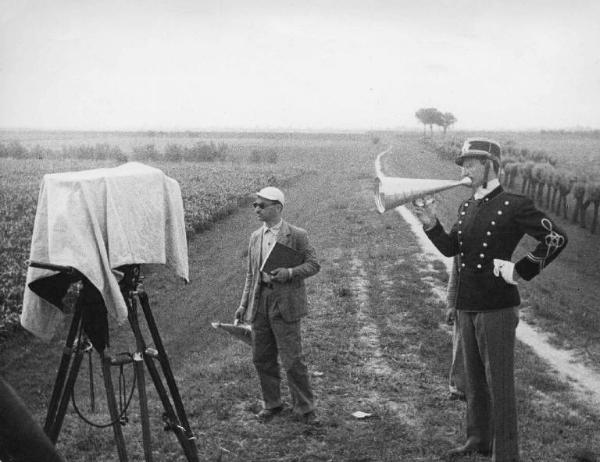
pixel 374 339
pixel 210 191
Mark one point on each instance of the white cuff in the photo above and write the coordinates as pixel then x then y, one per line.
pixel 505 269
pixel 290 270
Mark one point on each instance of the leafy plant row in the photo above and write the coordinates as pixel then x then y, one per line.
pixel 562 190
pixel 198 152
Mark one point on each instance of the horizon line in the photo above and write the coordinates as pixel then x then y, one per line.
pixel 323 130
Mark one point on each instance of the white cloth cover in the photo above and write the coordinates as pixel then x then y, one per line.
pixel 97 220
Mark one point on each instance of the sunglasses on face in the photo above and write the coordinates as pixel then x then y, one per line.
pixel 262 205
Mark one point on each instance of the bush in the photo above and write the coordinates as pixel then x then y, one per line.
pixel 146 152
pixel 174 152
pixel 262 156
pixel 13 149
pixel 202 152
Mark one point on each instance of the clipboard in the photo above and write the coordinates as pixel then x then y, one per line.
pixel 281 256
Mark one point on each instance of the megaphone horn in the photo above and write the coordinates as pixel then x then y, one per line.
pixel 390 192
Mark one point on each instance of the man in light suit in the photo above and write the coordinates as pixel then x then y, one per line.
pixel 274 305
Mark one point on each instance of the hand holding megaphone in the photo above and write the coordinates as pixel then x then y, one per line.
pixel 425 210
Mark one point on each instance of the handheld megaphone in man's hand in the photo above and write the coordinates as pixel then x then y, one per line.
pixel 391 192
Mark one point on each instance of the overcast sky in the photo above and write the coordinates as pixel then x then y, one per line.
pixel 278 64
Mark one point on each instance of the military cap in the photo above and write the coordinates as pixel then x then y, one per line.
pixel 479 147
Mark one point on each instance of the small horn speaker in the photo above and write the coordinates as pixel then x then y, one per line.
pixel 390 192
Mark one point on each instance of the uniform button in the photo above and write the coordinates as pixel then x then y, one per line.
pixel 488 233
pixel 493 223
pixel 466 204
pixel 485 244
pixel 506 202
pixel 462 254
pixel 460 243
pixel 499 212
pixel 462 265
pixel 481 255
pixel 460 222
pixel 486 199
pixel 459 232
pixel 479 266
pixel 462 213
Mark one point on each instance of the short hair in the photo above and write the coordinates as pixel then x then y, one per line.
pixel 495 165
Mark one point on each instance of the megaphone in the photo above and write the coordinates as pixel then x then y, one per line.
pixel 390 192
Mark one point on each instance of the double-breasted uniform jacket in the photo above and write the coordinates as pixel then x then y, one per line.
pixel 290 295
pixel 488 229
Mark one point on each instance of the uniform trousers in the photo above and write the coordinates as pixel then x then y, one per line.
pixel 456 379
pixel 272 336
pixel 488 340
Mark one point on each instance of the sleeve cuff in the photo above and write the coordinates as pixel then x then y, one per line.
pixel 527 269
pixel 434 229
pixel 508 277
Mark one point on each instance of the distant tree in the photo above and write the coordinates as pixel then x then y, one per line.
pixel 429 116
pixel 447 119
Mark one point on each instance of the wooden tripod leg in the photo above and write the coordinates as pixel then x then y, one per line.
pixel 172 422
pixel 168 373
pixel 63 369
pixel 56 425
pixel 112 408
pixel 138 363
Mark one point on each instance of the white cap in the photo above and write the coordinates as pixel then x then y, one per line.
pixel 271 193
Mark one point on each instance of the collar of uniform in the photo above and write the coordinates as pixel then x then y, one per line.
pixel 483 192
pixel 274 229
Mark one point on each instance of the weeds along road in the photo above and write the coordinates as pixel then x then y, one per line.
pixel 373 343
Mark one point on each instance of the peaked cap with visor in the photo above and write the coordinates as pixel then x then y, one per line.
pixel 481 148
pixel 273 194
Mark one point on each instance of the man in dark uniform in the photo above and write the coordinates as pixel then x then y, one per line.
pixel 490 225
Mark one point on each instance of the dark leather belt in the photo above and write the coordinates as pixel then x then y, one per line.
pixel 266 285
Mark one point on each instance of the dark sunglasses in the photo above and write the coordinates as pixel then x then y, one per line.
pixel 262 205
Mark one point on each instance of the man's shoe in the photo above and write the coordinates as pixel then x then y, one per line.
pixel 470 447
pixel 456 395
pixel 267 414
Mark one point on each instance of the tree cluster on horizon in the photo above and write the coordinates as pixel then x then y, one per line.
pixel 432 116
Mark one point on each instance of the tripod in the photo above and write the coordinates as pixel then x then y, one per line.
pixel 174 415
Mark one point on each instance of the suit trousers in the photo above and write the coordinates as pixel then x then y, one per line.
pixel 272 336
pixel 488 340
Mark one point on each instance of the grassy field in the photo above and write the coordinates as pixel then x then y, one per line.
pixel 374 339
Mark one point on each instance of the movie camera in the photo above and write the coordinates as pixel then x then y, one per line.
pixel 94 230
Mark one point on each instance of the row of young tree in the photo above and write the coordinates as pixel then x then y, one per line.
pixel 198 152
pixel 432 116
pixel 556 188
